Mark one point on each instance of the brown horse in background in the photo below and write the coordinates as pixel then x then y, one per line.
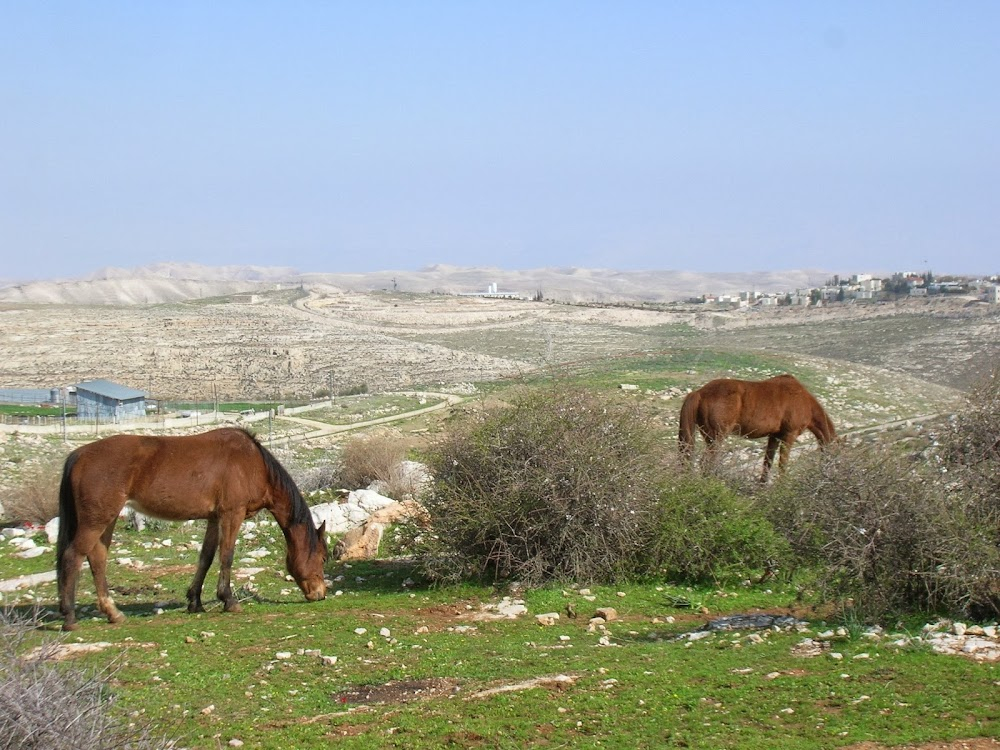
pixel 222 476
pixel 779 409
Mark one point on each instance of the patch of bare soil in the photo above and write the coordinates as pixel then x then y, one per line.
pixel 979 743
pixel 396 692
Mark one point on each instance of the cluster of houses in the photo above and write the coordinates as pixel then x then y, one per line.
pixel 863 287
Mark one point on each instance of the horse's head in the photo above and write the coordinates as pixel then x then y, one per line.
pixel 306 559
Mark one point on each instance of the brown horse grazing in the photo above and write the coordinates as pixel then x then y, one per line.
pixel 223 476
pixel 779 409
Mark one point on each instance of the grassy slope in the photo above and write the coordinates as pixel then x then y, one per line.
pixel 644 690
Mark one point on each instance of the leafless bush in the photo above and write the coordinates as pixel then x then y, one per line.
pixel 883 534
pixel 560 484
pixel 971 448
pixel 45 706
pixel 373 457
pixel 324 476
pixel 36 499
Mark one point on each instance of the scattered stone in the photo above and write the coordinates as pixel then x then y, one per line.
pixel 32 552
pixel 609 614
pixel 547 619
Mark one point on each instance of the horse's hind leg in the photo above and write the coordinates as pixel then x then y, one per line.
pixel 69 574
pixel 205 557
pixel 98 558
pixel 710 456
pixel 227 549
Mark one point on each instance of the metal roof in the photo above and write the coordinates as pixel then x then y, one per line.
pixel 109 389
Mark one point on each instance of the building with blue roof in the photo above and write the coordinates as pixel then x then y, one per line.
pixel 107 402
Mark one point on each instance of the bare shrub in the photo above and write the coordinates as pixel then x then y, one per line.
pixel 561 483
pixel 971 447
pixel 372 457
pixel 47 706
pixel 970 451
pixel 324 476
pixel 883 536
pixel 36 499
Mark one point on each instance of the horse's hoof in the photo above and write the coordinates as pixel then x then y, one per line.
pixel 234 607
pixel 68 626
pixel 194 609
pixel 116 618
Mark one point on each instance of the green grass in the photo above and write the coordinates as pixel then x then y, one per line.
pixel 28 410
pixel 646 689
pixel 230 406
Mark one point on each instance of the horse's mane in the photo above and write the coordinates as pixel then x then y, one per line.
pixel 278 475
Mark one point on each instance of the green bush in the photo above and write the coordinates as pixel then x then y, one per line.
pixel 710 533
pixel 561 483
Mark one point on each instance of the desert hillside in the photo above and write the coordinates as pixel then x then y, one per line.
pixel 174 282
pixel 306 339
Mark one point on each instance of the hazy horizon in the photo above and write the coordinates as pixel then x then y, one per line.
pixel 359 138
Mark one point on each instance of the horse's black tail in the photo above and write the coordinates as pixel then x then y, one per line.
pixel 67 515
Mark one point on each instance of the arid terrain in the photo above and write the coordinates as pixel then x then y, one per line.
pixel 306 340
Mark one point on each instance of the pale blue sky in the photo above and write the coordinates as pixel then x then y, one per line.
pixel 363 136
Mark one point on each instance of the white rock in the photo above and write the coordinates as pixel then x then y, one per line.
pixel 12 532
pixel 511 609
pixel 32 552
pixel 333 515
pixel 52 530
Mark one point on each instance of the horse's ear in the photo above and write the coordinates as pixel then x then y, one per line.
pixel 322 528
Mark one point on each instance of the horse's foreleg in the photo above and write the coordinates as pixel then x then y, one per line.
pixel 205 558
pixel 98 558
pixel 786 449
pixel 227 548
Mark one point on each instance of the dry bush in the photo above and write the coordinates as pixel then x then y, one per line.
pixel 36 499
pixel 324 476
pixel 562 483
pixel 882 534
pixel 49 706
pixel 373 457
pixel 971 448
